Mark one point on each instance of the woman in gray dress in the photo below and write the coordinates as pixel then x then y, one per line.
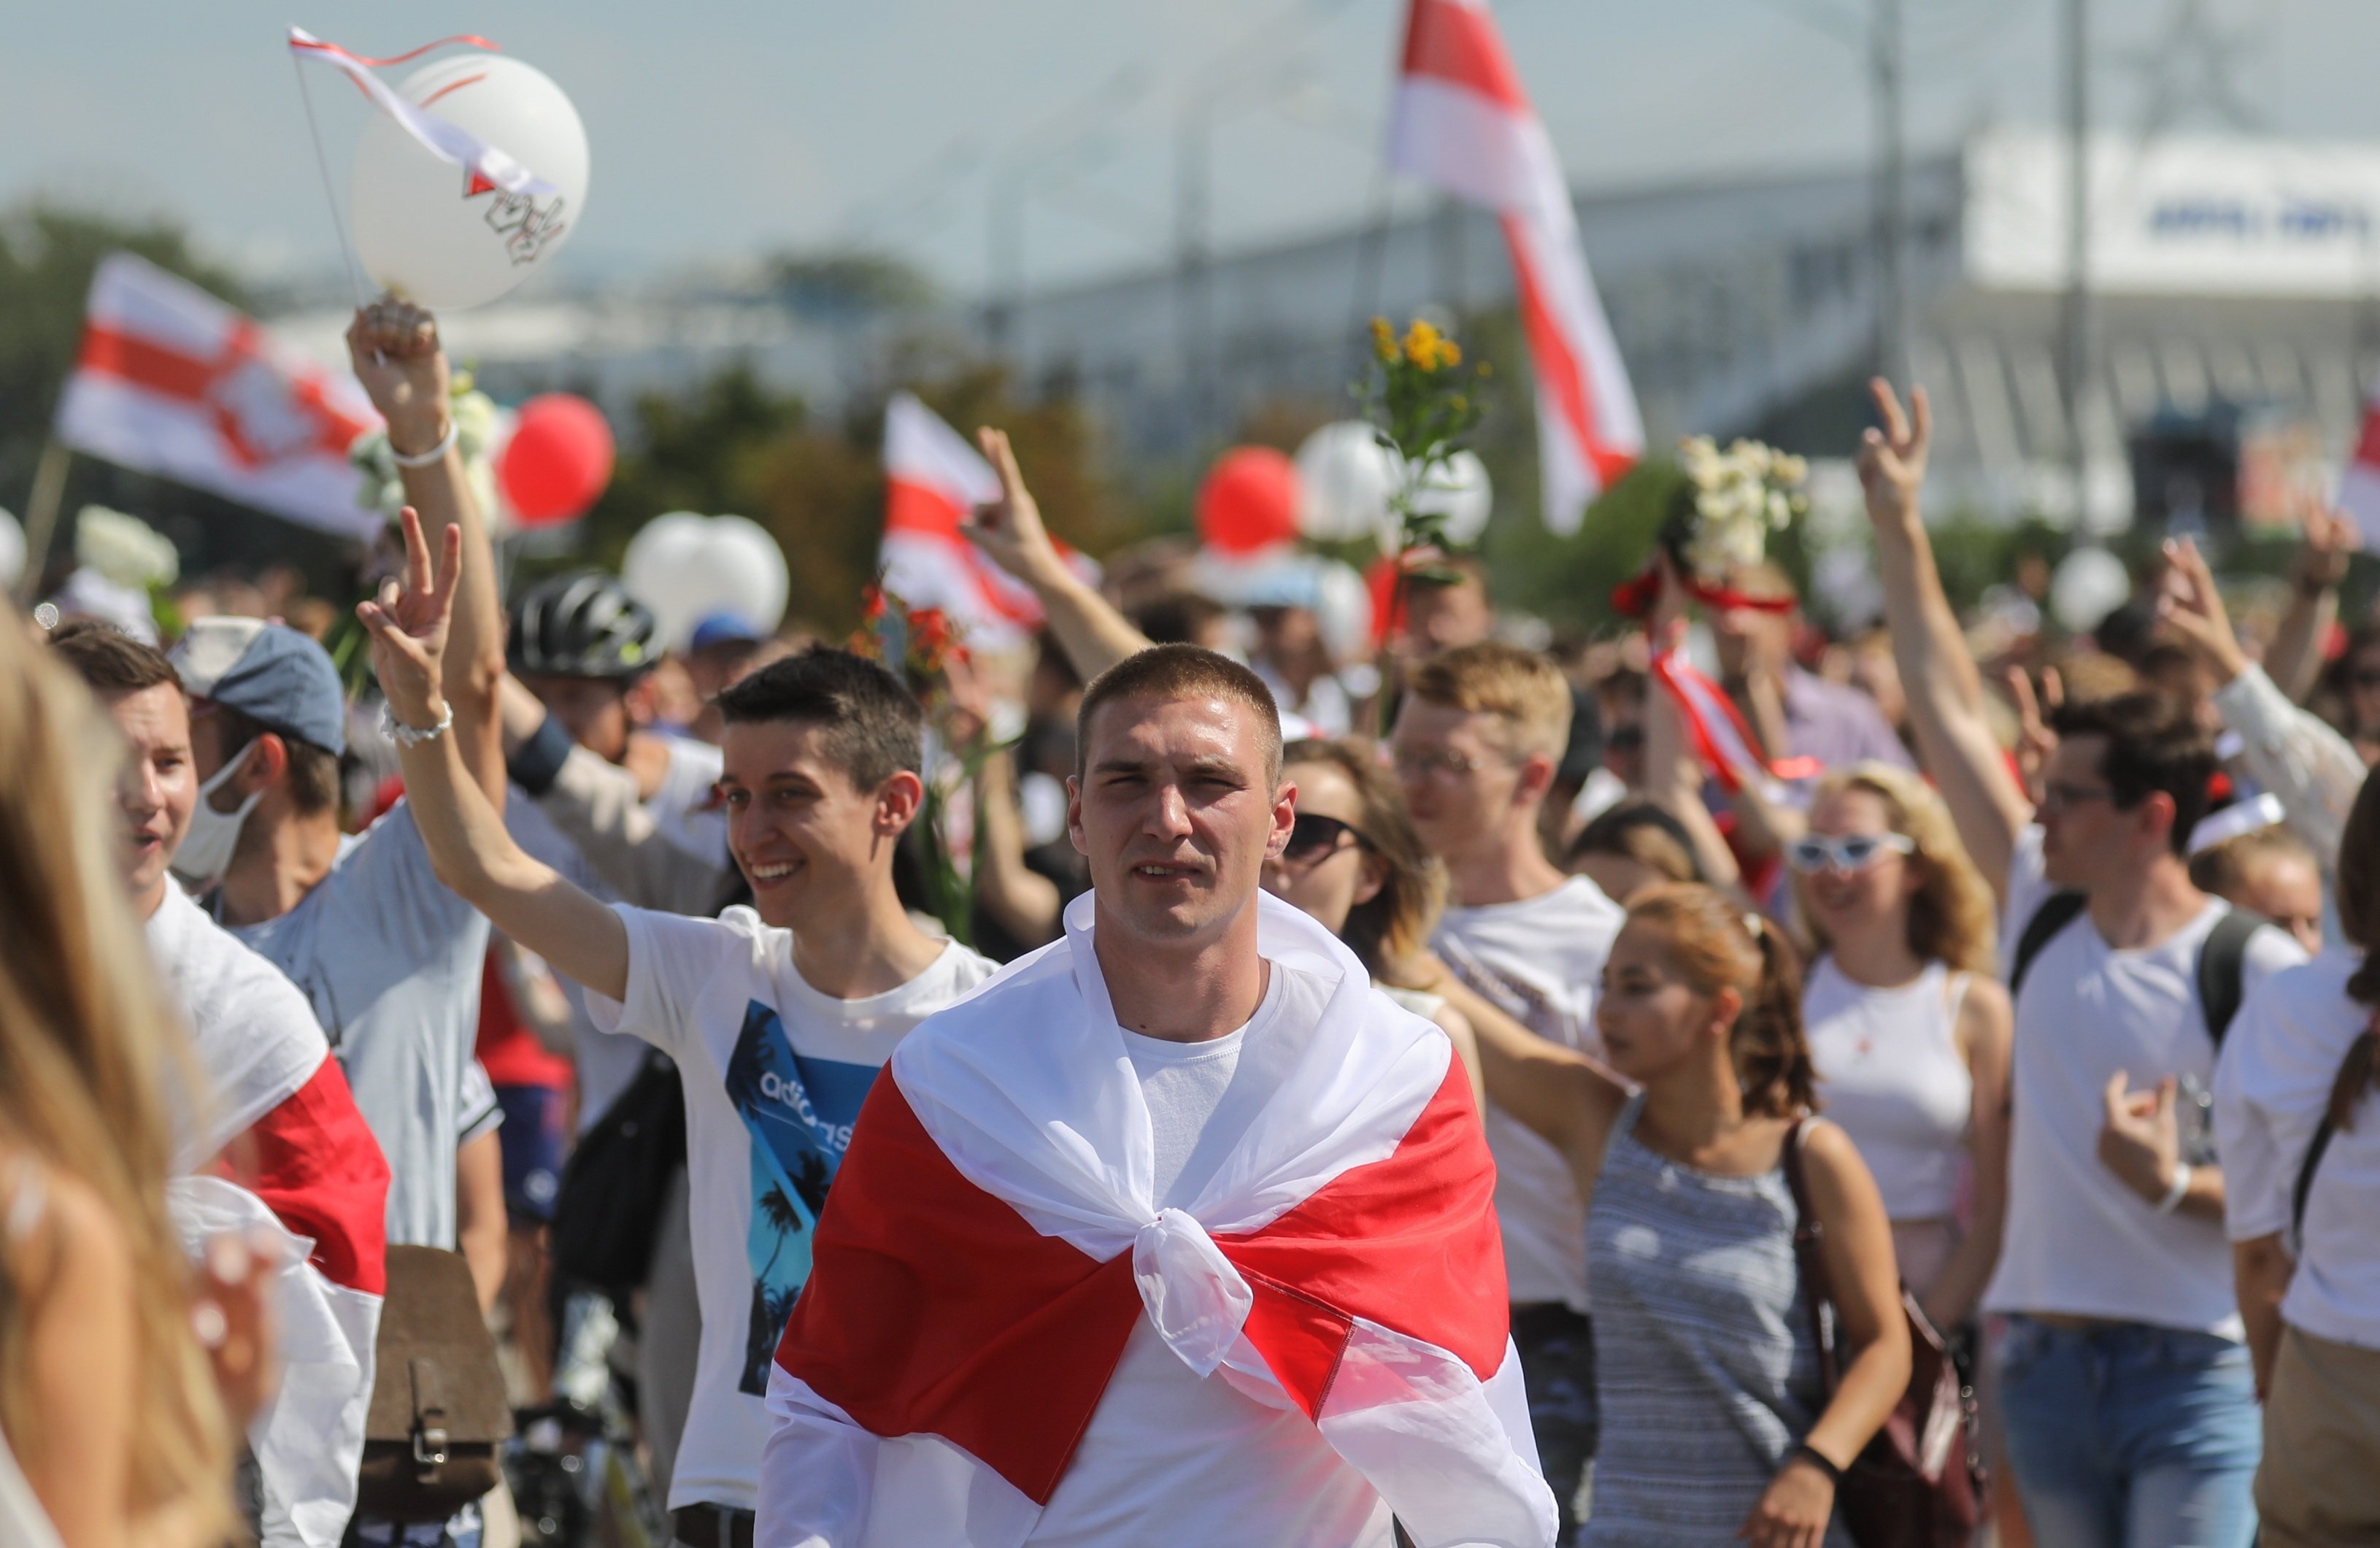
pixel 1715 1426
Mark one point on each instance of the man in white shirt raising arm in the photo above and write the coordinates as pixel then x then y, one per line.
pixel 778 1016
pixel 2131 1411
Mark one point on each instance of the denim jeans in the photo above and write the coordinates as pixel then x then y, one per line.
pixel 1556 1349
pixel 2125 1436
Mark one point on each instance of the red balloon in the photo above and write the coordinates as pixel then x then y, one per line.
pixel 1248 501
pixel 558 460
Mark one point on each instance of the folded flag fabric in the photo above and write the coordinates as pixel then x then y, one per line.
pixel 991 1243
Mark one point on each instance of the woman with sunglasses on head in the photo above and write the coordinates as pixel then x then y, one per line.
pixel 1356 863
pixel 1908 1026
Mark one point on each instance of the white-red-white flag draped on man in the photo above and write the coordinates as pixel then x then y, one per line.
pixel 2359 487
pixel 991 1243
pixel 934 482
pixel 171 381
pixel 1464 122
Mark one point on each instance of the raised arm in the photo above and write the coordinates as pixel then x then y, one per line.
pixel 1093 634
pixel 2295 659
pixel 397 357
pixel 1673 778
pixel 1946 693
pixel 473 854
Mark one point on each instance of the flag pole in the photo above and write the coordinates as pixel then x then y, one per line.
pixel 42 515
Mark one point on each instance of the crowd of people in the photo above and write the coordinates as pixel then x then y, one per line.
pixel 1434 1099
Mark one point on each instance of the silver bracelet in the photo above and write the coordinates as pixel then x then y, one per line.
pixel 403 735
pixel 2178 1191
pixel 431 457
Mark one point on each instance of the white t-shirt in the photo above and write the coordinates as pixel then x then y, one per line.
pixel 255 1037
pixel 2270 1090
pixel 2078 1242
pixel 764 1057
pixel 1539 960
pixel 1171 1457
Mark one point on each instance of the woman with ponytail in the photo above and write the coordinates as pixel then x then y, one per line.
pixel 1717 1426
pixel 2296 1118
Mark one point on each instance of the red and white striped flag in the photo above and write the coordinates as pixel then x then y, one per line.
pixel 1722 741
pixel 992 1242
pixel 171 381
pixel 1464 122
pixel 2358 486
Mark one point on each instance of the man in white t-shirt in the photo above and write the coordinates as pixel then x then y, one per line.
pixel 278 1118
pixel 1178 1232
pixel 1477 744
pixel 2130 1413
pixel 778 1016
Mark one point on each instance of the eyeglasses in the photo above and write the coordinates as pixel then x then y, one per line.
pixel 1442 765
pixel 1314 838
pixel 2058 797
pixel 1811 854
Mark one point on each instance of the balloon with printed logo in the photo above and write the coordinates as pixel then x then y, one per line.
pixel 1248 502
pixel 558 460
pixel 1344 477
pixel 440 234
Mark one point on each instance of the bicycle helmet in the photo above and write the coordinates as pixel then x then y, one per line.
pixel 581 625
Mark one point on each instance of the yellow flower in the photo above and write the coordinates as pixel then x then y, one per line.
pixel 1384 339
pixel 1449 354
pixel 1420 344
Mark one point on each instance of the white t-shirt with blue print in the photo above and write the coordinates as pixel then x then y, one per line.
pixel 775 1074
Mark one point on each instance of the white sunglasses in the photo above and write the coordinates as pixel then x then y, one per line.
pixel 1811 854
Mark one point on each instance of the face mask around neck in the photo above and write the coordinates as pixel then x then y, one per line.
pixel 207 848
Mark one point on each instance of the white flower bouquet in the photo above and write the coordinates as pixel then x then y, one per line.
pixel 1738 497
pixel 125 549
pixel 474 434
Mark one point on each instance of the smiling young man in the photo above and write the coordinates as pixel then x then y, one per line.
pixel 778 1016
pixel 279 1119
pixel 1177 1232
pixel 1476 743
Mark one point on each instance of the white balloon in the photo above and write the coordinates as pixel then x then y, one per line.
pixel 421 230
pixel 686 568
pixel 2089 584
pixel 1343 610
pixel 1343 478
pixel 1459 490
pixel 12 551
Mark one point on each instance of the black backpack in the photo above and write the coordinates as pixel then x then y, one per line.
pixel 2222 956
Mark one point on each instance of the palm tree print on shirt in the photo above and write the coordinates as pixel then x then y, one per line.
pixel 799 1111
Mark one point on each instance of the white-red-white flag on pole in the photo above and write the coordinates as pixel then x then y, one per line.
pixel 171 381
pixel 934 480
pixel 2359 487
pixel 1464 122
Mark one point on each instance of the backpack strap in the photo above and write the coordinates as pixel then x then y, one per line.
pixel 2222 968
pixel 2346 1090
pixel 2055 913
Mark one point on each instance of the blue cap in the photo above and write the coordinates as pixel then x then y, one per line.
pixel 270 673
pixel 722 628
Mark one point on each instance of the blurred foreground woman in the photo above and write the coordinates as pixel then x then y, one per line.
pixel 115 1433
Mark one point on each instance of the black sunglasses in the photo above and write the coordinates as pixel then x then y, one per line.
pixel 1313 836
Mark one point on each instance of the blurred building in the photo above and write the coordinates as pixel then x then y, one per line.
pixel 2237 308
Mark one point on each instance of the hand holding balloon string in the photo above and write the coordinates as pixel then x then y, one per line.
pixel 394 348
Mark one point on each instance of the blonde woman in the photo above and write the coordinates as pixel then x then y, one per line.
pixel 108 1408
pixel 1908 1027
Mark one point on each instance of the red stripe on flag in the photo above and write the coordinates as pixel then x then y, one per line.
pixel 318 46
pixel 910 507
pixel 1559 369
pixel 2367 449
pixel 1459 44
pixel 137 360
pixel 315 1163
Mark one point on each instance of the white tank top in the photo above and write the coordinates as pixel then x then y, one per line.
pixel 1889 1072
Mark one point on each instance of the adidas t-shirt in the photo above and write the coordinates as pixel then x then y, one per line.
pixel 774 1073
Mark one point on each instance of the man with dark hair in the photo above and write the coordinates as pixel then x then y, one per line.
pixel 778 1014
pixel 2131 1407
pixel 282 1123
pixel 1177 1232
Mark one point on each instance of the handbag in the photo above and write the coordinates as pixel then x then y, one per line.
pixel 438 1411
pixel 1920 1481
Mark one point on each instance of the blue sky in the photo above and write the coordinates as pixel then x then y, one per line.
pixel 724 130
